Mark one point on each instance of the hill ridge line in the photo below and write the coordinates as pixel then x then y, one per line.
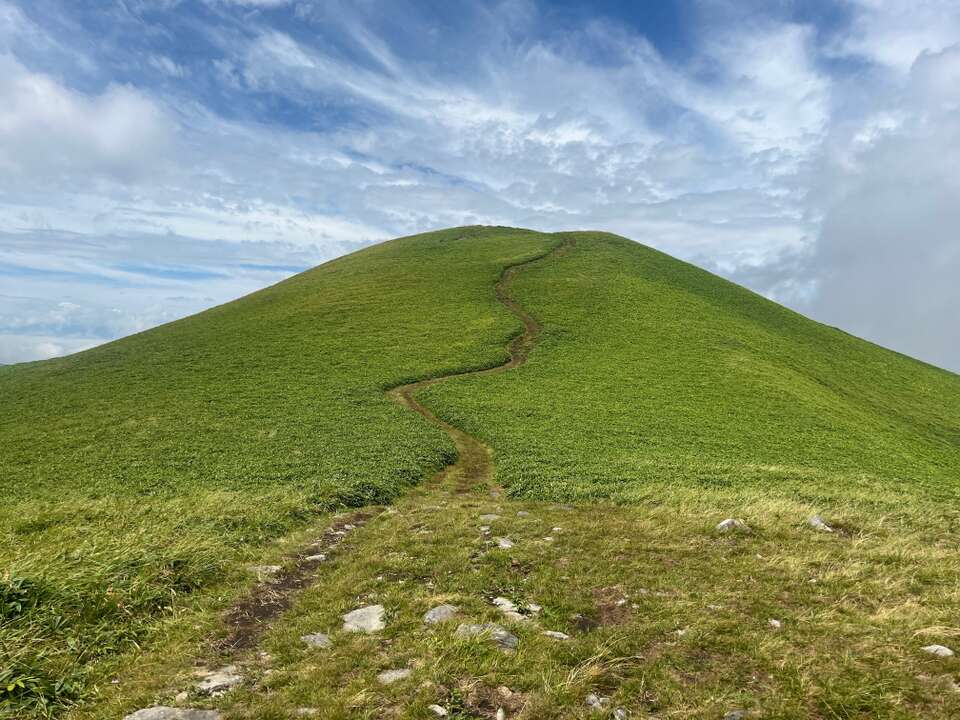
pixel 474 465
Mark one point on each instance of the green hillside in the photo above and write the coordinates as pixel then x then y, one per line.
pixel 652 371
pixel 143 477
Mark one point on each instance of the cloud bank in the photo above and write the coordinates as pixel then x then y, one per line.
pixel 198 150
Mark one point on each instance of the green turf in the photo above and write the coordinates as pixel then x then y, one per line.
pixel 652 371
pixel 132 472
pixel 141 476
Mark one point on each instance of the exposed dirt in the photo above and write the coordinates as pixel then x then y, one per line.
pixel 474 466
pixel 251 616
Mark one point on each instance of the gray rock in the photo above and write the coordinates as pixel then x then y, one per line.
pixel 620 714
pixel 317 640
pixel 735 715
pixel 556 635
pixel 319 557
pixel 938 650
pixel 388 677
pixel 509 610
pixel 817 523
pixel 161 712
pixel 775 624
pixel 438 710
pixel 440 613
pixel 731 524
pixel 220 681
pixel 490 517
pixel 501 637
pixel 522 513
pixel 595 702
pixel 265 573
pixel 504 543
pixel 366 619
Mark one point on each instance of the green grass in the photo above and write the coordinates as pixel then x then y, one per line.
pixel 652 372
pixel 134 472
pixel 141 477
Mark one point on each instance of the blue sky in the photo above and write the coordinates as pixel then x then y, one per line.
pixel 158 157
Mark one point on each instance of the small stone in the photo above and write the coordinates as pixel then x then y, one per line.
pixel 817 523
pixel 504 543
pixel 484 529
pixel 522 513
pixel 775 624
pixel 596 702
pixel 265 573
pixel 319 557
pixel 534 608
pixel 556 635
pixel 735 715
pixel 505 604
pixel 938 650
pixel 388 677
pixel 181 697
pixel 731 524
pixel 501 715
pixel 317 640
pixel 489 518
pixel 161 712
pixel 366 619
pixel 557 529
pixel 220 681
pixel 439 614
pixel 438 710
pixel 620 714
pixel 501 637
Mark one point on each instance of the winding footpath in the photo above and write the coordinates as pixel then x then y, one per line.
pixel 474 465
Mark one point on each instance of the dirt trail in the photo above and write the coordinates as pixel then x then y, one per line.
pixel 474 465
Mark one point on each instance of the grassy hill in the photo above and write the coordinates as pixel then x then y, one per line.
pixel 142 477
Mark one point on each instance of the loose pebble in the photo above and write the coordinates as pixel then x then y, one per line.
pixel 596 702
pixel 439 614
pixel 731 524
pixel 938 650
pixel 489 518
pixel 316 640
pixel 501 637
pixel 217 682
pixel 438 710
pixel 265 573
pixel 366 619
pixel 817 523
pixel 775 624
pixel 162 712
pixel 556 635
pixel 388 677
pixel 504 543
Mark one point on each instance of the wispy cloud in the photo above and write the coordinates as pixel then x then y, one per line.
pixel 245 132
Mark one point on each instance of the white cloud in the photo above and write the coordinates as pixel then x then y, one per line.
pixel 888 253
pixel 48 131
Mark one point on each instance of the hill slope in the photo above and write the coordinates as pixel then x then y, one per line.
pixel 141 475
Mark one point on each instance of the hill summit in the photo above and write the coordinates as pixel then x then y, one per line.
pixel 618 404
